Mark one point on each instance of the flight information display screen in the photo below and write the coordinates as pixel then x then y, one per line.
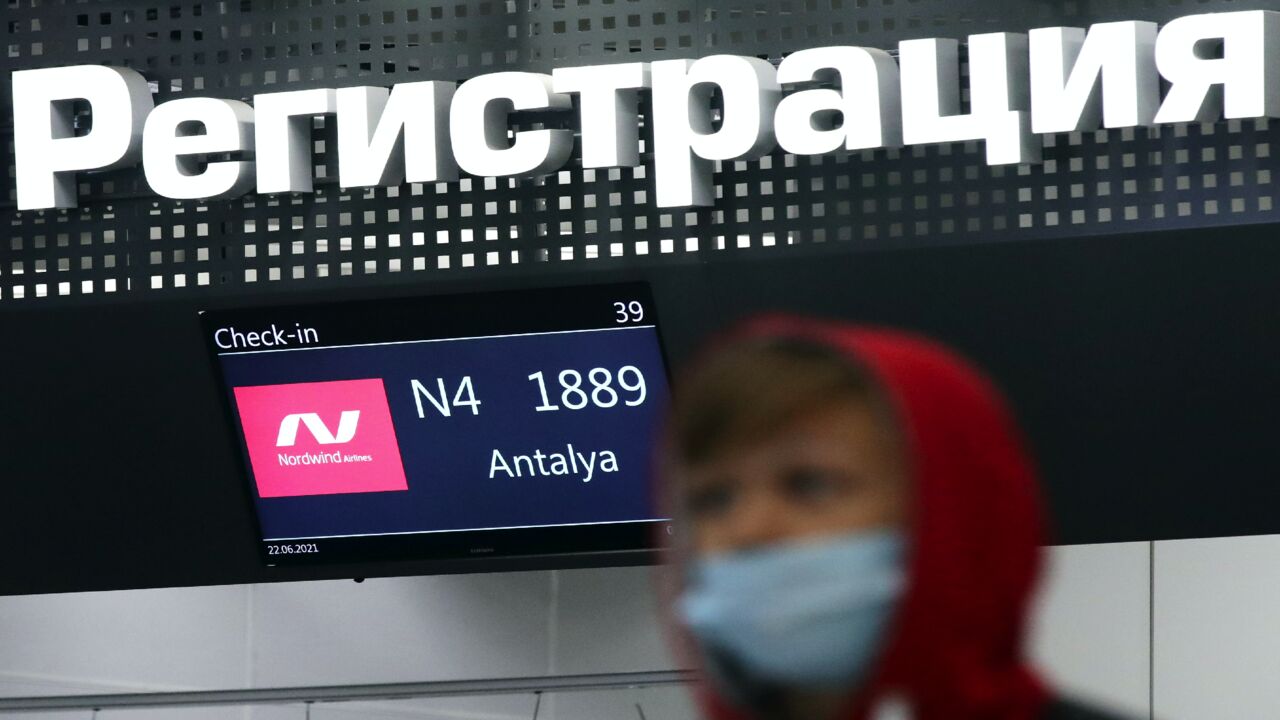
pixel 481 425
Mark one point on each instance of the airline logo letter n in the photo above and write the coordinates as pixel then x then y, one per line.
pixel 288 434
pixel 345 442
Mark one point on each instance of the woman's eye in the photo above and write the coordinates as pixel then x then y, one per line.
pixel 813 484
pixel 711 500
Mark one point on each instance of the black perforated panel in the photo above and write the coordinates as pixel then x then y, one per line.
pixel 1139 364
pixel 123 241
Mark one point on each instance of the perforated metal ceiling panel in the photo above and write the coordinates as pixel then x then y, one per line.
pixel 125 242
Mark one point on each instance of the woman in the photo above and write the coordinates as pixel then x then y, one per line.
pixel 859 531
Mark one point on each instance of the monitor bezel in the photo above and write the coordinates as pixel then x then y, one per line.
pixel 545 547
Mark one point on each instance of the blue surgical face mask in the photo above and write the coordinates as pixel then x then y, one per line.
pixel 811 614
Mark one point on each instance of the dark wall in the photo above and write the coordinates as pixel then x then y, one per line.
pixel 1142 368
pixel 1142 365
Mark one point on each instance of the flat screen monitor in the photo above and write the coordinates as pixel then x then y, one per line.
pixel 448 427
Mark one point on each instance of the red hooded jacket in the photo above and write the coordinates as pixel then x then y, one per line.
pixel 955 648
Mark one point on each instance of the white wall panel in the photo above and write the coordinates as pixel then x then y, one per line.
pixel 607 621
pixel 188 638
pixel 401 629
pixel 1217 629
pixel 1091 633
pixel 492 708
pixel 668 703
pixel 19 685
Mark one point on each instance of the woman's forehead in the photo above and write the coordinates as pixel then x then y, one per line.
pixel 849 431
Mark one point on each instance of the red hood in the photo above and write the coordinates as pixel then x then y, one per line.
pixel 955 650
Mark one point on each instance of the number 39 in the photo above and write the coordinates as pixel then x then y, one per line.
pixel 629 312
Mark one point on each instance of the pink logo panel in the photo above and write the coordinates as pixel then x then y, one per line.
pixel 321 438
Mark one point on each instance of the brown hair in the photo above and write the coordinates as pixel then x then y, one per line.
pixel 748 389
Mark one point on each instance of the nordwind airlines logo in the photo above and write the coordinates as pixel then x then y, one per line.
pixel 295 447
pixel 346 428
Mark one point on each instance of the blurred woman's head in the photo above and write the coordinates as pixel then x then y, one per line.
pixel 781 440
pixel 856 520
